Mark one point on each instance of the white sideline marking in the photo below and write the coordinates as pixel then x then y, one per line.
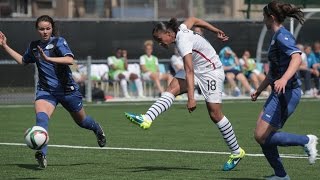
pixel 290 156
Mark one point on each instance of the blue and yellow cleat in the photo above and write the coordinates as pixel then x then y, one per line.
pixel 234 160
pixel 139 119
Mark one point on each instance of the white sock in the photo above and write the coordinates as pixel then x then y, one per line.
pixel 161 105
pixel 139 86
pixel 124 87
pixel 229 137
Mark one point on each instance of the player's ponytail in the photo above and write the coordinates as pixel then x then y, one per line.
pixel 172 25
pixel 282 10
pixel 293 12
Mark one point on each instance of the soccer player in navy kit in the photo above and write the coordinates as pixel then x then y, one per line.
pixel 284 58
pixel 52 56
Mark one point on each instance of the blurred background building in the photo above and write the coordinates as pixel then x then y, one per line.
pixel 96 28
pixel 140 9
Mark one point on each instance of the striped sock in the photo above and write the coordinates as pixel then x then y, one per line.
pixel 161 105
pixel 227 132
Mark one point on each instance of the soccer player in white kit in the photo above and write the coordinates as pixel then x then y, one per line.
pixel 202 66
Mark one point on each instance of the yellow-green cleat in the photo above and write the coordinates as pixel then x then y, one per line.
pixel 234 160
pixel 139 119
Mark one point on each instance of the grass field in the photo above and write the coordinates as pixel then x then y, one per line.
pixel 179 145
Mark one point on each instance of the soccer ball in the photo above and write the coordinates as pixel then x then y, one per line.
pixel 36 137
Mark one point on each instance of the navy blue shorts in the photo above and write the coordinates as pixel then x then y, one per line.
pixel 233 71
pixel 279 107
pixel 72 101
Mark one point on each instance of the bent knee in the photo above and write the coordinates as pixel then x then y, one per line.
pixel 259 138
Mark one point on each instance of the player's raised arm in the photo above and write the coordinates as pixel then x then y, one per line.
pixel 192 21
pixel 3 42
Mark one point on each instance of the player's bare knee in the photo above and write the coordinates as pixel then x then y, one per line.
pixel 259 137
pixel 216 116
pixel 133 76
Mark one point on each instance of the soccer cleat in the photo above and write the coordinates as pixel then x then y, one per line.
pixel 41 159
pixel 101 137
pixel 234 160
pixel 311 148
pixel 274 177
pixel 139 120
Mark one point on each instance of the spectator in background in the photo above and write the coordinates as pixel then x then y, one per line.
pixel 176 61
pixel 231 68
pixel 118 66
pixel 150 67
pixel 316 47
pixel 250 70
pixel 313 67
pixel 304 71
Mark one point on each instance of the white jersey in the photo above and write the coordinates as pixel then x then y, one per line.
pixel 204 55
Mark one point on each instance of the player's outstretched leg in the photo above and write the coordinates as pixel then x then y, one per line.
pixel 160 106
pixel 311 148
pixel 139 119
pixel 41 159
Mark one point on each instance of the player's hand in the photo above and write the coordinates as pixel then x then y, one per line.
pixel 42 54
pixel 280 85
pixel 222 36
pixel 3 39
pixel 192 105
pixel 255 95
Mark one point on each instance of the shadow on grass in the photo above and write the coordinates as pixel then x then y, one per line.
pixel 28 166
pixel 160 168
pixel 35 166
pixel 75 164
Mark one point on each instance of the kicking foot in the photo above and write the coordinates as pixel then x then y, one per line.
pixel 138 119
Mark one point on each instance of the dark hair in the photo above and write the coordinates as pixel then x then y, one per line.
pixel 47 18
pixel 172 24
pixel 282 10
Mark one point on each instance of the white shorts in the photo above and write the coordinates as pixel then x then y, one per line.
pixel 125 73
pixel 146 76
pixel 209 81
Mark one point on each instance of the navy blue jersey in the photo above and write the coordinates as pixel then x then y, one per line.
pixel 53 77
pixel 282 46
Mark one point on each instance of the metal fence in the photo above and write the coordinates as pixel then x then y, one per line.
pixel 18 82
